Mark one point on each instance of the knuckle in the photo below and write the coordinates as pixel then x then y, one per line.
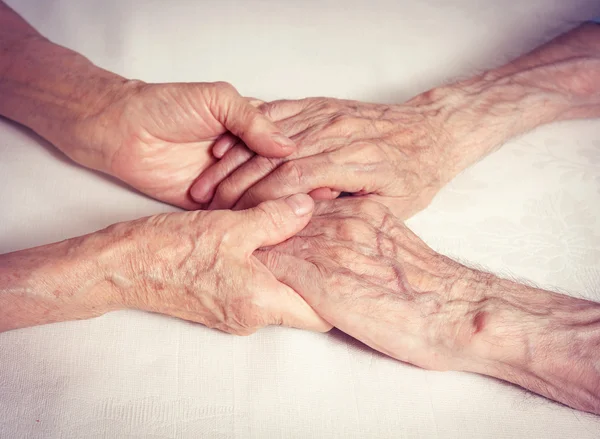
pixel 249 123
pixel 267 164
pixel 365 207
pixel 244 332
pixel 291 174
pixel 242 316
pixel 340 122
pixel 254 118
pixel 272 214
pixel 226 191
pixel 374 152
pixel 339 253
pixel 270 259
pixel 223 86
pixel 330 105
pixel 353 230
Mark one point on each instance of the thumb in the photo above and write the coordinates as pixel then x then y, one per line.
pixel 248 123
pixel 274 221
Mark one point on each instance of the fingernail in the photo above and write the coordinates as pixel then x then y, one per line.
pixel 301 204
pixel 219 151
pixel 283 141
pixel 222 146
pixel 199 192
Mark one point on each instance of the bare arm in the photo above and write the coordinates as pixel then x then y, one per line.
pixel 154 137
pixel 70 280
pixel 545 342
pixel 196 266
pixel 557 81
pixel 51 89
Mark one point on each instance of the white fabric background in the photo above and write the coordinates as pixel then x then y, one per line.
pixel 529 211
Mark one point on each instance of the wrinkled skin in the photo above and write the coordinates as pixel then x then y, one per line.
pixel 160 135
pixel 199 266
pixel 396 154
pixel 364 272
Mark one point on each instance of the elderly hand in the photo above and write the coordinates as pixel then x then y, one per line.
pixel 197 266
pixel 157 137
pixel 364 272
pixel 400 154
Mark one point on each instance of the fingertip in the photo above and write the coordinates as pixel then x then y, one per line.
pixel 201 191
pixel 224 144
pixel 301 204
pixel 323 193
pixel 276 146
pixel 286 143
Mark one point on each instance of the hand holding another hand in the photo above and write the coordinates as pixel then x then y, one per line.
pixel 364 272
pixel 400 155
pixel 158 137
pixel 199 266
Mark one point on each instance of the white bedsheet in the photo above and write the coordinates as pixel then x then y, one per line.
pixel 531 211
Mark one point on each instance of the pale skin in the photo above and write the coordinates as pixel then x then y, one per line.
pixel 361 268
pixel 198 266
pixel 403 154
pixel 156 138
pixel 358 267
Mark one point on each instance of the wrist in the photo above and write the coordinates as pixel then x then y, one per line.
pixel 475 117
pixel 60 95
pixel 91 136
pixel 543 341
pixel 68 280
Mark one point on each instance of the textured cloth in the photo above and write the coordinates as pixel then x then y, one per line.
pixel 530 211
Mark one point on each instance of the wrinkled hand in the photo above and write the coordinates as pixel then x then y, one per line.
pixel 397 154
pixel 364 272
pixel 199 266
pixel 157 137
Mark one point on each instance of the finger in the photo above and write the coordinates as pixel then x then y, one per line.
pixel 274 221
pixel 360 309
pixel 305 175
pixel 203 189
pixel 224 144
pixel 228 140
pixel 255 102
pixel 284 108
pixel 301 276
pixel 231 189
pixel 323 194
pixel 287 308
pixel 249 124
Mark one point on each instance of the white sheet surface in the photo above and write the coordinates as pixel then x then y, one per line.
pixel 530 211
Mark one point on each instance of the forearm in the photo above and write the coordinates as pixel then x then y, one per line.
pixel 50 88
pixel 543 341
pixel 557 81
pixel 69 280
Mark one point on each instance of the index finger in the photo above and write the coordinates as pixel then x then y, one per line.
pixel 308 174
